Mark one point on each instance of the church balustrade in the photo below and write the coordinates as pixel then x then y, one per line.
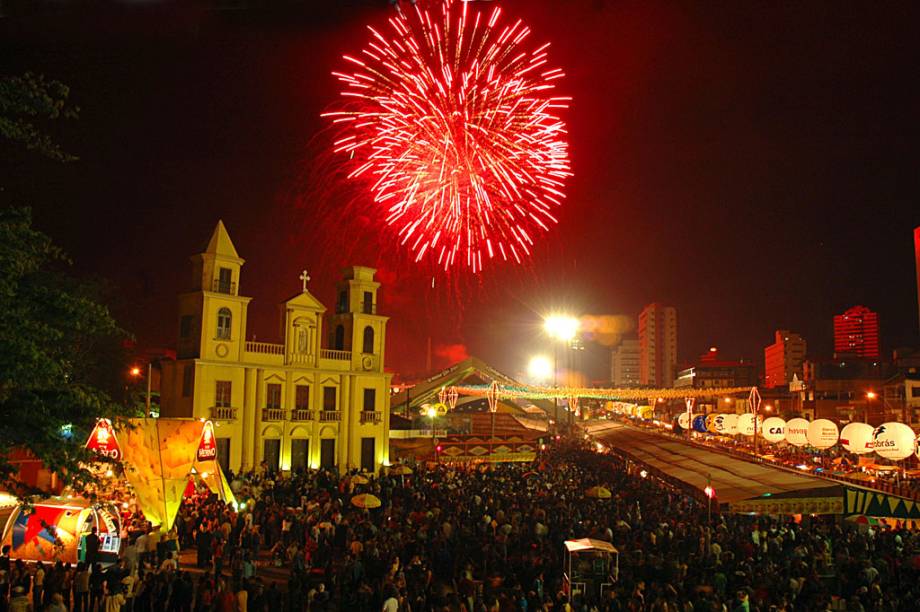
pixel 301 415
pixel 335 355
pixel 264 348
pixel 273 414
pixel 223 413
pixel 326 416
pixel 371 417
pixel 301 358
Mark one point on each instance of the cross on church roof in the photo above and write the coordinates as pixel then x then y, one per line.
pixel 306 279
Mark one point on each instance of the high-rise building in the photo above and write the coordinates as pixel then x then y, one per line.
pixel 783 358
pixel 856 333
pixel 624 364
pixel 917 261
pixel 657 345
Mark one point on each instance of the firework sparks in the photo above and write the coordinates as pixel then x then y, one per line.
pixel 452 123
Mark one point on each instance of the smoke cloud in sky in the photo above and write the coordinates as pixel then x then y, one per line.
pixel 607 330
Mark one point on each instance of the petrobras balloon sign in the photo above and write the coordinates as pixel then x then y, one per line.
pixel 857 438
pixel 822 433
pixel 699 423
pixel 683 419
pixel 774 429
pixel 746 423
pixel 894 440
pixel 797 432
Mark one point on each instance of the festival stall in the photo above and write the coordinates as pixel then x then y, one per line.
pixel 590 568
pixel 56 530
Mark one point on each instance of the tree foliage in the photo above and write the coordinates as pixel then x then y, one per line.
pixel 61 359
pixel 28 99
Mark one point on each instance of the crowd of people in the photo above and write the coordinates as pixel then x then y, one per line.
pixel 477 539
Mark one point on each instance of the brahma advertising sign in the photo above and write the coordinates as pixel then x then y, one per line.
pixel 103 440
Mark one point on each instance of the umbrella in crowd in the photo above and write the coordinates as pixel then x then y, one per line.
pixel 598 492
pixel 401 470
pixel 365 500
pixel 358 479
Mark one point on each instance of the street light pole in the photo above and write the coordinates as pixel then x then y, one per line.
pixel 556 385
pixel 149 382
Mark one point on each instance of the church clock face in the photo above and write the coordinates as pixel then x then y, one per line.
pixel 221 350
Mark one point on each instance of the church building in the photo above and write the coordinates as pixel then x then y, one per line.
pixel 293 404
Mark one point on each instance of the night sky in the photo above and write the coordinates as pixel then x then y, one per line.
pixel 753 164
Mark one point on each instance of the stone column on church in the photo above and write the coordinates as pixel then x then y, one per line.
pixel 247 420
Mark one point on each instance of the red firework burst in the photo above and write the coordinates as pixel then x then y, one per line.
pixel 453 125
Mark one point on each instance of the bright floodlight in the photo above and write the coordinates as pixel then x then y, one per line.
pixel 540 368
pixel 432 411
pixel 561 327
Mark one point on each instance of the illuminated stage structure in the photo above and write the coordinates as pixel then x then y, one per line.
pixel 159 456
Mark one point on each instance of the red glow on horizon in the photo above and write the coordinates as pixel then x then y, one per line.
pixel 453 125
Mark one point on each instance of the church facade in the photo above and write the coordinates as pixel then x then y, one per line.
pixel 299 403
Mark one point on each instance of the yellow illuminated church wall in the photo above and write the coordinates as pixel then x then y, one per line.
pixel 259 399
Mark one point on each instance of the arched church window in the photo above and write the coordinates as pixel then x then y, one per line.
pixel 224 318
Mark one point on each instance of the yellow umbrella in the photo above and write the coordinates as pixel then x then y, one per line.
pixel 358 479
pixel 598 492
pixel 365 500
pixel 402 470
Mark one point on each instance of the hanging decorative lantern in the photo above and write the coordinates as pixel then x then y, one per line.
pixel 452 398
pixel 442 395
pixel 492 396
pixel 754 400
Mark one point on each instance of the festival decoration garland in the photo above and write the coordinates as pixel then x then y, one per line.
pixel 535 392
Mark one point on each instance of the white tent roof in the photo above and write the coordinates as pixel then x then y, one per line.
pixel 586 544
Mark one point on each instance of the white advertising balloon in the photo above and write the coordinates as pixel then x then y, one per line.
pixel 857 438
pixel 797 432
pixel 822 433
pixel 774 429
pixel 683 419
pixel 894 440
pixel 746 423
pixel 730 423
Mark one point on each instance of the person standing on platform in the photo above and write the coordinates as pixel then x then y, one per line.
pixel 92 547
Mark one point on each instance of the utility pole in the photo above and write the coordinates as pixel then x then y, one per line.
pixel 754 401
pixel 149 382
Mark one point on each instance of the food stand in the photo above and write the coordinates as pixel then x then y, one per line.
pixel 590 569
